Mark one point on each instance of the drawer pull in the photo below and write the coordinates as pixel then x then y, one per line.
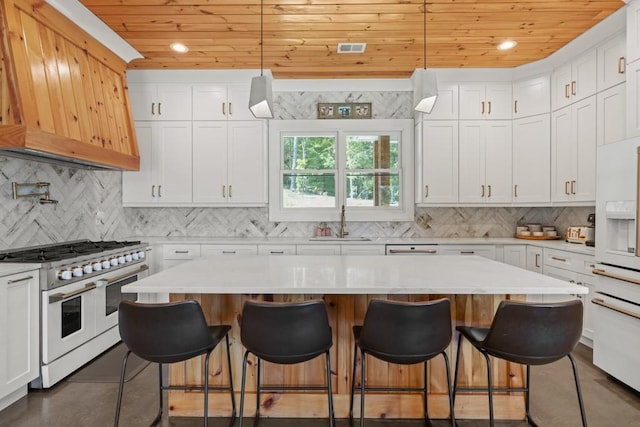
pixel 409 251
pixel 467 252
pixel 277 252
pixel 604 273
pixel 228 252
pixel 181 252
pixel 557 258
pixel 600 302
pixel 19 280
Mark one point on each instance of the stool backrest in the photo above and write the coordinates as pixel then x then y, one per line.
pixel 286 332
pixel 164 333
pixel 404 332
pixel 534 334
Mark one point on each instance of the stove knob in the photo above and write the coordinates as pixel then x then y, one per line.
pixel 106 264
pixel 65 274
pixel 97 265
pixel 114 261
pixel 77 271
pixel 135 256
pixel 141 254
pixel 87 268
pixel 121 259
pixel 128 258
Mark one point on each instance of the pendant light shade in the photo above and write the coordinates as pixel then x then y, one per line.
pixel 261 96
pixel 424 81
pixel 426 89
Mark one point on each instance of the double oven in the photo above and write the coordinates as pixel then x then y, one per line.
pixel 80 285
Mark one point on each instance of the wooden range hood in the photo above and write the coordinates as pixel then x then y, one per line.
pixel 63 95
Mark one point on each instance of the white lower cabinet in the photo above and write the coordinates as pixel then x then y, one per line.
pixel 362 250
pixel 534 259
pixel 19 334
pixel 515 255
pixel 486 251
pixel 207 250
pixel 276 249
pixel 175 254
pixel 312 249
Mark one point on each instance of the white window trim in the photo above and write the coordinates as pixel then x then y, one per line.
pixel 404 212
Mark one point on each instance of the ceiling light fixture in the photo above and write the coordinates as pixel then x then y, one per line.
pixel 426 87
pixel 179 47
pixel 507 44
pixel 261 95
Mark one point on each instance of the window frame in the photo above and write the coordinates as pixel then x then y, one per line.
pixel 341 128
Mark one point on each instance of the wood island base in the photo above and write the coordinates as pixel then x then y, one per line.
pixel 345 311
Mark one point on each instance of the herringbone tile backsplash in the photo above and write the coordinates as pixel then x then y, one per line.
pixel 90 207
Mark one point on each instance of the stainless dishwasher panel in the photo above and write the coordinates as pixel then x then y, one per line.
pixel 422 249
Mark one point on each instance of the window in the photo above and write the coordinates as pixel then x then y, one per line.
pixel 320 165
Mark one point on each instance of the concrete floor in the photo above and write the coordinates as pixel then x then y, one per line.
pixel 554 403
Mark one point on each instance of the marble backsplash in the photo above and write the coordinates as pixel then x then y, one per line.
pixel 90 207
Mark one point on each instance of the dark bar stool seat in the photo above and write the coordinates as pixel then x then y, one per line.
pixel 169 333
pixel 285 333
pixel 530 334
pixel 403 333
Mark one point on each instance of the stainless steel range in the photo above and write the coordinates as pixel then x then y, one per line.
pixel 81 285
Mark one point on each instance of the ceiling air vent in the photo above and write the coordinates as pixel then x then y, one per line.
pixel 351 47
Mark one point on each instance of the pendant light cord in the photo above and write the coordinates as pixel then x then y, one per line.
pixel 262 40
pixel 424 12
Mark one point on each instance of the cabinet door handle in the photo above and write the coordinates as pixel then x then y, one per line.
pixel 515 190
pixel 153 191
pixel 515 106
pixel 467 252
pixel 538 260
pixel 489 111
pixel 489 195
pixel 557 258
pixel 566 188
pixel 224 109
pixel 566 90
pixel 426 191
pixel 228 252
pixel 180 252
pixel 621 67
pixel 230 189
pixel 276 252
pixel 482 195
pixel 224 192
pixel 482 110
pixel 573 187
pixel 159 190
pixel 153 108
pixel 23 279
pixel 230 110
pixel 159 108
pixel 573 88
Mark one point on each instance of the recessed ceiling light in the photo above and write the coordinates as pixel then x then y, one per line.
pixel 179 47
pixel 508 44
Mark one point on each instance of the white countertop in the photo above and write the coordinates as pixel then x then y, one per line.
pixel 377 274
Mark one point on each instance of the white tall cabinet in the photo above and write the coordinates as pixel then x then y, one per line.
pixel 19 334
pixel 438 156
pixel 531 159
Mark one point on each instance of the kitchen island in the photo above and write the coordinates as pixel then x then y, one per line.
pixel 474 285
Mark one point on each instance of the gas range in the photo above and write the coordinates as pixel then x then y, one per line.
pixel 69 262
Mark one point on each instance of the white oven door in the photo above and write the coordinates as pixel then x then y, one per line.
pixel 68 318
pixel 109 294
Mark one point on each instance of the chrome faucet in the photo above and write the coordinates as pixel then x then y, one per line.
pixel 342 233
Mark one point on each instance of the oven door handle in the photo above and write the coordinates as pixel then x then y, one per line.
pixel 61 297
pixel 604 273
pixel 602 303
pixel 124 276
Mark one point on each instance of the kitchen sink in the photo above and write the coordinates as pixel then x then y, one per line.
pixel 339 239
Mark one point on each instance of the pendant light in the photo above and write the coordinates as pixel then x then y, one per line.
pixel 426 87
pixel 261 96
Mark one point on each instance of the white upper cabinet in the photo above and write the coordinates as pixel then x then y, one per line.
pixel 531 97
pixel 633 31
pixel 485 162
pixel 221 102
pixel 229 163
pixel 611 62
pixel 164 177
pixel 165 101
pixel 531 159
pixel 573 152
pixel 574 81
pixel 446 106
pixel 439 165
pixel 611 114
pixel 633 98
pixel 490 101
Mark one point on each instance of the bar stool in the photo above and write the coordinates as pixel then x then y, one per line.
pixel 403 333
pixel 530 334
pixel 169 333
pixel 285 333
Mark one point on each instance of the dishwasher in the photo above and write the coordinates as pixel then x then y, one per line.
pixel 421 249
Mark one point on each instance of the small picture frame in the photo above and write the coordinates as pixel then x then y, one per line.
pixel 345 110
pixel 362 110
pixel 326 111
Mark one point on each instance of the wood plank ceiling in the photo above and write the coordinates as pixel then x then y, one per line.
pixel 301 36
